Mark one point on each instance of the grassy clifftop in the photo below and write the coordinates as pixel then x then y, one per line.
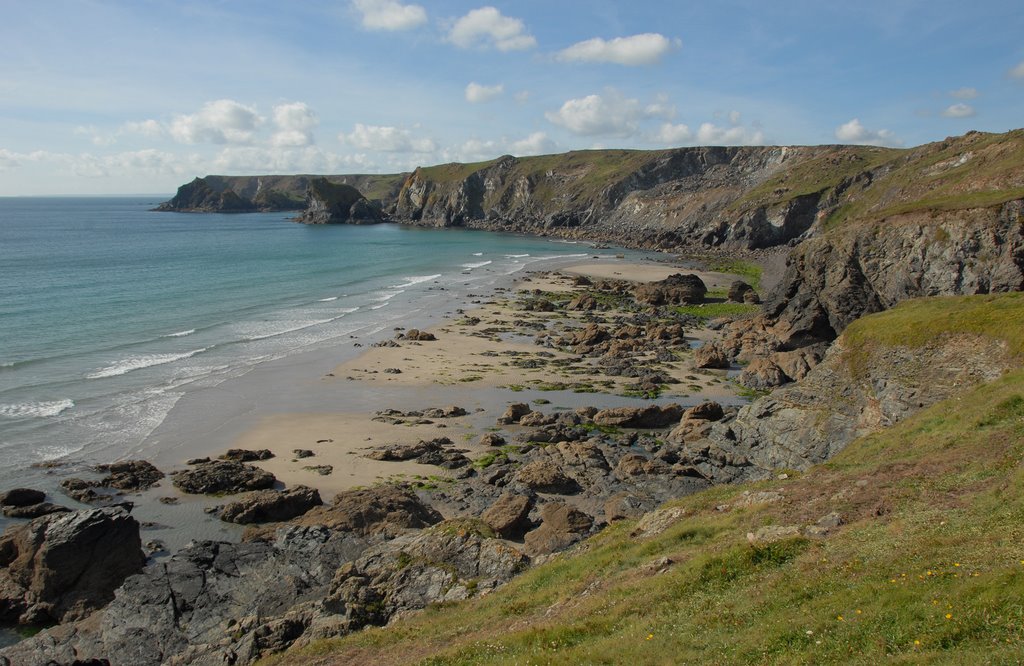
pixel 905 547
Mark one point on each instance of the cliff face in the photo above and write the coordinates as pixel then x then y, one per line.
pixel 337 203
pixel 230 194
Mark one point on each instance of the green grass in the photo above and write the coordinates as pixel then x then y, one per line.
pixel 934 530
pixel 748 270
pixel 707 311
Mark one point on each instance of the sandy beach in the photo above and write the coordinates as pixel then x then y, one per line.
pixel 487 355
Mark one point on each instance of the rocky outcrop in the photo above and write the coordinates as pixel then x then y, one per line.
pixel 63 566
pixel 204 195
pixel 337 203
pixel 222 476
pixel 653 416
pixel 264 506
pixel 677 289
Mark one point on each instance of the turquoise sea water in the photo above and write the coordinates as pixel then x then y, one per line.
pixel 110 313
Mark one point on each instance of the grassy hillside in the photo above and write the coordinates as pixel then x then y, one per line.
pixel 926 567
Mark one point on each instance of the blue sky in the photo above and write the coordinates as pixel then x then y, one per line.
pixel 140 96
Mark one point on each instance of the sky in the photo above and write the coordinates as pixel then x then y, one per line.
pixel 140 96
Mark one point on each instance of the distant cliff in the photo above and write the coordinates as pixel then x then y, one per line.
pixel 337 203
pixel 240 194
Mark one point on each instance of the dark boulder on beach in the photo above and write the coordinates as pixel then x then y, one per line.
pixel 265 506
pixel 63 566
pixel 130 475
pixel 676 289
pixel 245 455
pixel 222 476
pixel 34 510
pixel 19 497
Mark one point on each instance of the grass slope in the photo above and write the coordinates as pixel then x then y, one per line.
pixel 928 567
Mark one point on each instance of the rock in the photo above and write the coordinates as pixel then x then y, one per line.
pixel 708 410
pixel 582 302
pixel 711 356
pixel 372 510
pixel 738 291
pixel 634 464
pixel 590 335
pixel 509 515
pixel 63 566
pixel 302 453
pixel 222 476
pixel 537 419
pixel 561 526
pixel 196 461
pixel 676 289
pixel 546 476
pixel 33 510
pixel 514 412
pixel 831 520
pixel 751 298
pixel 653 416
pixel 245 455
pixel 337 203
pixel 20 497
pixel 622 506
pixel 654 523
pixel 762 374
pixel 416 335
pixel 322 470
pixel 491 439
pixel 773 533
pixel 133 475
pixel 447 412
pixel 265 506
pixel 82 490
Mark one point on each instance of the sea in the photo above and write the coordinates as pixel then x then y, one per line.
pixel 111 313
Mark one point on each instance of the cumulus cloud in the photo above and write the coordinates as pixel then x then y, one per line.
pixel 646 49
pixel 674 134
pixel 151 128
pixel 389 14
pixel 661 108
pixel 295 123
pixel 960 110
pixel 387 139
pixel 1017 72
pixel 222 121
pixel 855 132
pixel 9 159
pixel 709 134
pixel 610 114
pixel 537 143
pixel 964 93
pixel 478 94
pixel 487 27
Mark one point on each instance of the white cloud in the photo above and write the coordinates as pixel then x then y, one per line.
pixel 959 110
pixel 661 108
pixel 488 27
pixel 295 123
pixel 389 14
pixel 151 128
pixel 964 93
pixel 1017 72
pixel 222 121
pixel 674 135
pixel 855 132
pixel 387 139
pixel 9 160
pixel 610 114
pixel 537 143
pixel 522 97
pixel 646 49
pixel 709 134
pixel 478 94
pixel 94 134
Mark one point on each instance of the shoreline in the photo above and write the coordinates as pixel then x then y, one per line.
pixel 292 403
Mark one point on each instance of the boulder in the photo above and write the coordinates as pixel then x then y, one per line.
pixel 761 374
pixel 546 476
pixel 491 439
pixel 33 510
pixel 19 497
pixel 676 289
pixel 509 515
pixel 652 416
pixel 708 410
pixel 514 413
pixel 372 510
pixel 738 291
pixel 416 335
pixel 710 355
pixel 634 464
pixel 63 566
pixel 131 475
pixel 561 526
pixel 264 506
pixel 245 455
pixel 222 476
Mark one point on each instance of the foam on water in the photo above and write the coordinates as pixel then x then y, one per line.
pixel 46 409
pixel 132 363
pixel 327 300
pixel 180 334
pixel 416 279
pixel 479 264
